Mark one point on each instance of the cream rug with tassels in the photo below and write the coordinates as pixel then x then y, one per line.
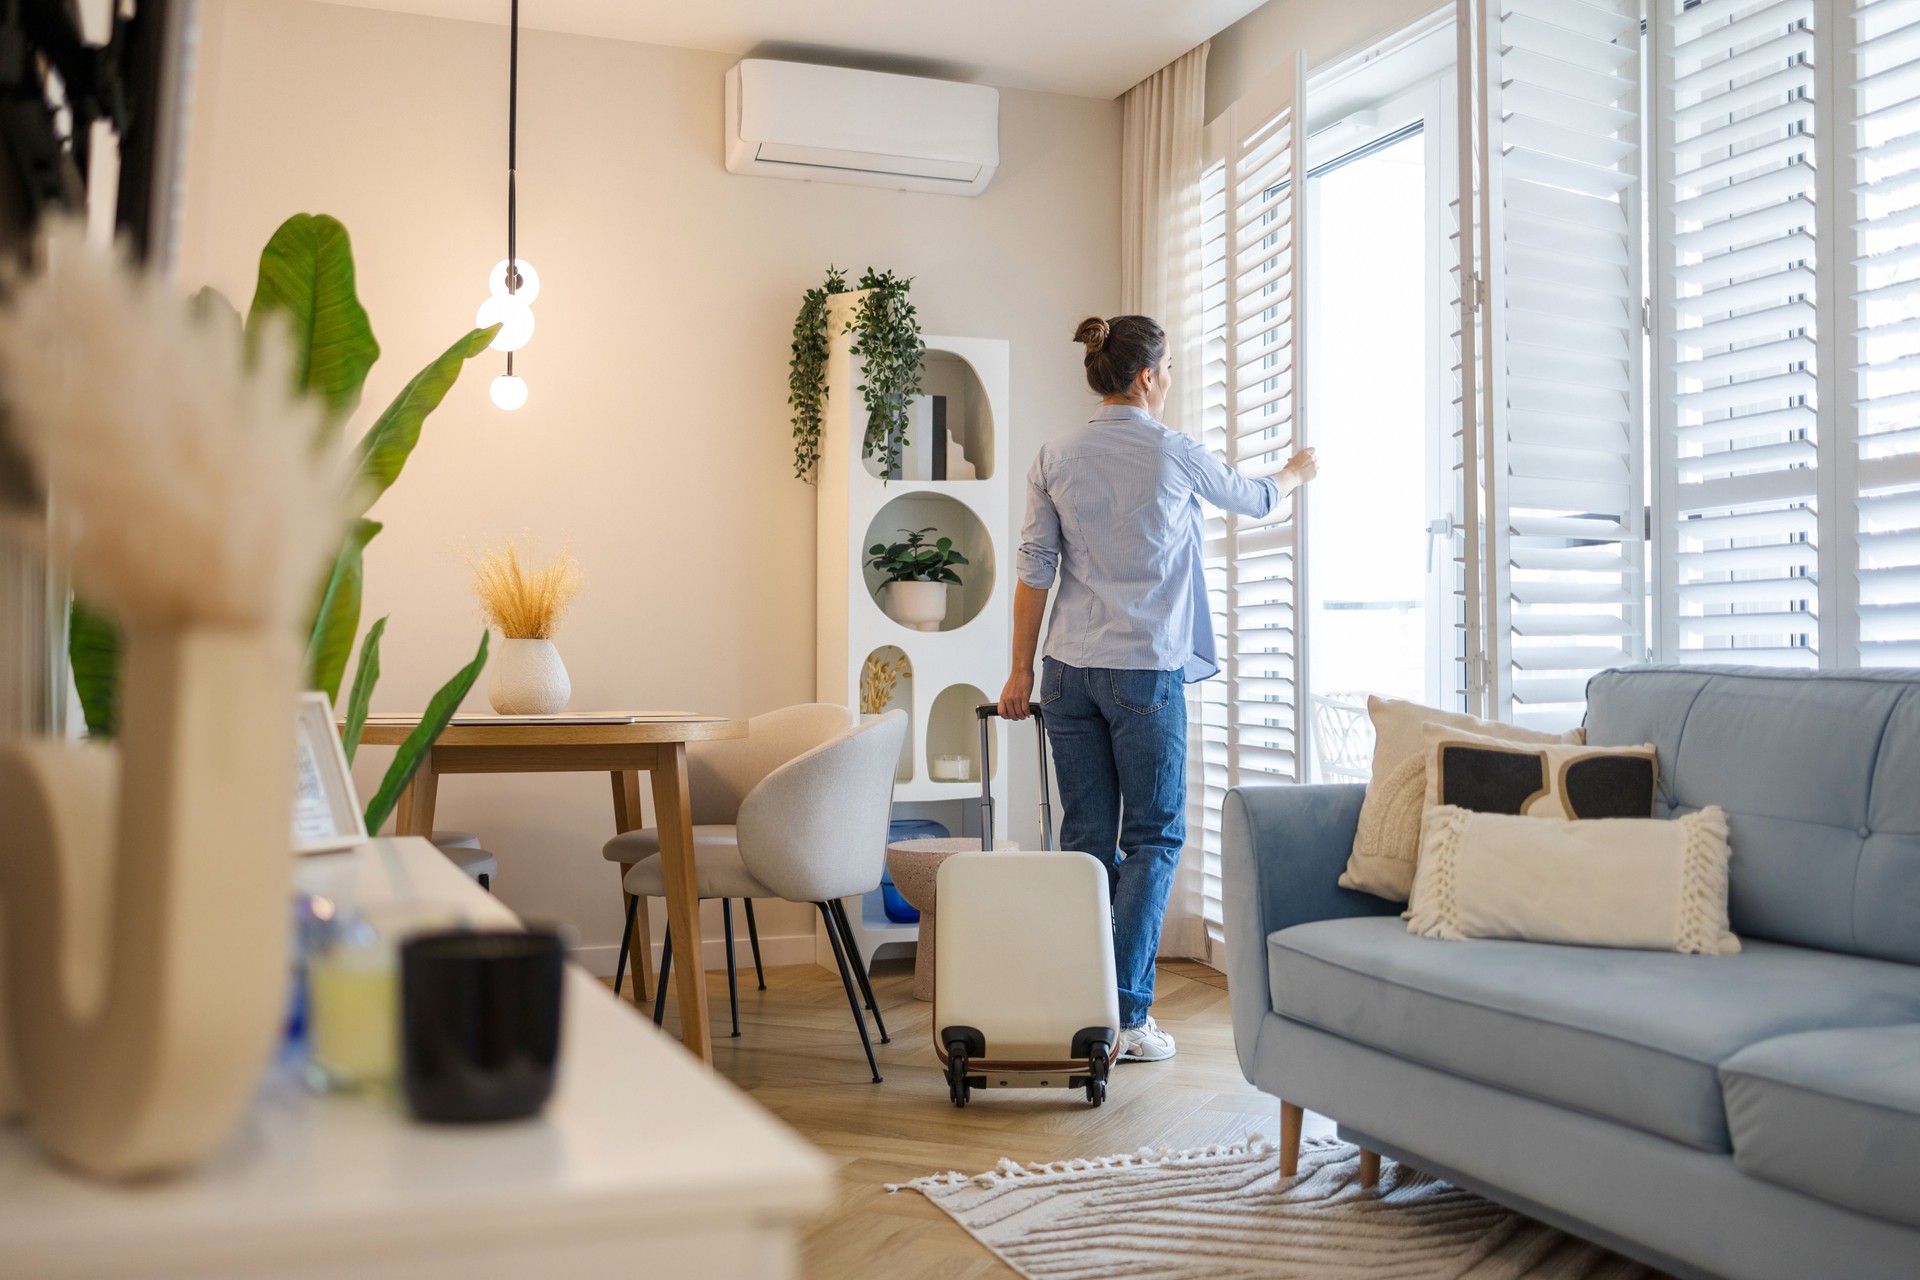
pixel 1224 1213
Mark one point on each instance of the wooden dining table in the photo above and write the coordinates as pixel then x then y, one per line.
pixel 654 745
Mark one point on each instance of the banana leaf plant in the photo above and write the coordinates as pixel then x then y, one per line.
pixel 306 282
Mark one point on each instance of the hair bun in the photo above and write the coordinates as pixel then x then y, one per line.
pixel 1092 333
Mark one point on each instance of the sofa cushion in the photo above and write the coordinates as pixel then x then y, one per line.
pixel 1629 1036
pixel 1835 1114
pixel 1815 771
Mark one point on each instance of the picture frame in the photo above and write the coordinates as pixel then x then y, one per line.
pixel 326 809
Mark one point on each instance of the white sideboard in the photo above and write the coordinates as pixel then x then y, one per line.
pixel 644 1163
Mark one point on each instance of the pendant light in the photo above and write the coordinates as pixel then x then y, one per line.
pixel 513 284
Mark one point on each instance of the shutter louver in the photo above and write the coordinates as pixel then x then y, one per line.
pixel 1736 202
pixel 1565 524
pixel 1885 242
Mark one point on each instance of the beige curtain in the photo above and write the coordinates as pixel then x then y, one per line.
pixel 1161 122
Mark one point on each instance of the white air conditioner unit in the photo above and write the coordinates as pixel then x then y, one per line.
pixel 832 124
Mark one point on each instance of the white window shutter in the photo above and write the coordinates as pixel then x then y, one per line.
pixel 1253 728
pixel 1739 317
pixel 1881 420
pixel 1560 441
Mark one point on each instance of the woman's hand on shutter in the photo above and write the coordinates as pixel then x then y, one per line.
pixel 1301 467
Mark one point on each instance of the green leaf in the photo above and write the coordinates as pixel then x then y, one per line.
pixel 306 274
pixel 366 674
pixel 93 649
pixel 384 449
pixel 412 751
pixel 336 620
pixel 944 545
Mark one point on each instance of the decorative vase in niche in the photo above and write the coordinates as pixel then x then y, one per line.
pixel 144 897
pixel 919 605
pixel 527 678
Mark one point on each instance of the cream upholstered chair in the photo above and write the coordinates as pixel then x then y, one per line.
pixel 812 828
pixel 719 776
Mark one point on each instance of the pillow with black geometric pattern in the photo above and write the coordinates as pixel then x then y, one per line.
pixel 1487 775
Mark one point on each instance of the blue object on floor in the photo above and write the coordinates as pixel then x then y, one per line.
pixel 898 909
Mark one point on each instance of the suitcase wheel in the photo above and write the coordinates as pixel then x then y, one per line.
pixel 1097 1067
pixel 957 1086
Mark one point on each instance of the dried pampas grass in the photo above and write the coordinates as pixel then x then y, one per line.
pixel 525 603
pixel 184 487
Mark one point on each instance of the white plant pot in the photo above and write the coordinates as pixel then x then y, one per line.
pixel 919 605
pixel 527 678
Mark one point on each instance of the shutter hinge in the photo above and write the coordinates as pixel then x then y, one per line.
pixel 1646 316
pixel 1470 295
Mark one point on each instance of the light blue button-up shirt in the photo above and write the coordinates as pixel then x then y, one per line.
pixel 1113 512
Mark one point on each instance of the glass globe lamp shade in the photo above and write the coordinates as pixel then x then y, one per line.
pixel 514 317
pixel 508 391
pixel 529 281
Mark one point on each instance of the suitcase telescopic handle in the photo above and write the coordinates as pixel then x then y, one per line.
pixel 986 712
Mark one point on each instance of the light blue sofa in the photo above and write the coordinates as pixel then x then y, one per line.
pixel 1745 1117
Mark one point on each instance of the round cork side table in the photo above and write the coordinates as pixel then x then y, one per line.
pixel 915 865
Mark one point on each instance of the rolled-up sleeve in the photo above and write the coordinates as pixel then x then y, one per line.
pixel 1039 557
pixel 1225 488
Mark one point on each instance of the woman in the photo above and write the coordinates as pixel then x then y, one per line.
pixel 1113 512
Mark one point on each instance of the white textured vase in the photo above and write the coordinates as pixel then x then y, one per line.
pixel 145 888
pixel 919 605
pixel 527 678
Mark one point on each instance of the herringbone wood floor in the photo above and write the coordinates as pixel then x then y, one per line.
pixel 799 1056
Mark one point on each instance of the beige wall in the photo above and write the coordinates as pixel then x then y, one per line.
pixel 656 437
pixel 1262 42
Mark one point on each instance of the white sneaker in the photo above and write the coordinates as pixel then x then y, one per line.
pixel 1145 1043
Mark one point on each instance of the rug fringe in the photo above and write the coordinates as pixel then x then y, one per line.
pixel 1007 1170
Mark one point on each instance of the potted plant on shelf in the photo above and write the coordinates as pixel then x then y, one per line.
pixel 917 576
pixel 525 603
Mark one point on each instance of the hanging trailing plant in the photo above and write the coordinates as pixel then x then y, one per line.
pixel 887 339
pixel 807 372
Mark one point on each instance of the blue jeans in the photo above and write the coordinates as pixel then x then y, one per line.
pixel 1119 741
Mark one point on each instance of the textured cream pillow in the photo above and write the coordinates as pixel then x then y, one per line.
pixel 1544 780
pixel 1608 882
pixel 1388 841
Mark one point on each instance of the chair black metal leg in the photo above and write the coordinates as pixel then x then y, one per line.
pixel 859 967
pixel 846 980
pixel 660 983
pixel 753 936
pixel 626 938
pixel 733 990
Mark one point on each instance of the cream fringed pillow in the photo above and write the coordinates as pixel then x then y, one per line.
pixel 1388 841
pixel 1606 882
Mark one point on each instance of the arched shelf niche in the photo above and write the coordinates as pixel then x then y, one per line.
pixel 950 436
pixel 877 697
pixel 953 729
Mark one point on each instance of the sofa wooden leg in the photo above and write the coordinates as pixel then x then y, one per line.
pixel 1290 1117
pixel 1369 1168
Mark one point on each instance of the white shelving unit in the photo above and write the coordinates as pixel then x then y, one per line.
pixel 956 668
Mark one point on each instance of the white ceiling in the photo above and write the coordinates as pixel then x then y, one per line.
pixel 1097 48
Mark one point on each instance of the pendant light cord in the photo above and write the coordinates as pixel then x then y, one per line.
pixel 513 122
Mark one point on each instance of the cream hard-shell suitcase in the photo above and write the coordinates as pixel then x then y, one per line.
pixel 1024 987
